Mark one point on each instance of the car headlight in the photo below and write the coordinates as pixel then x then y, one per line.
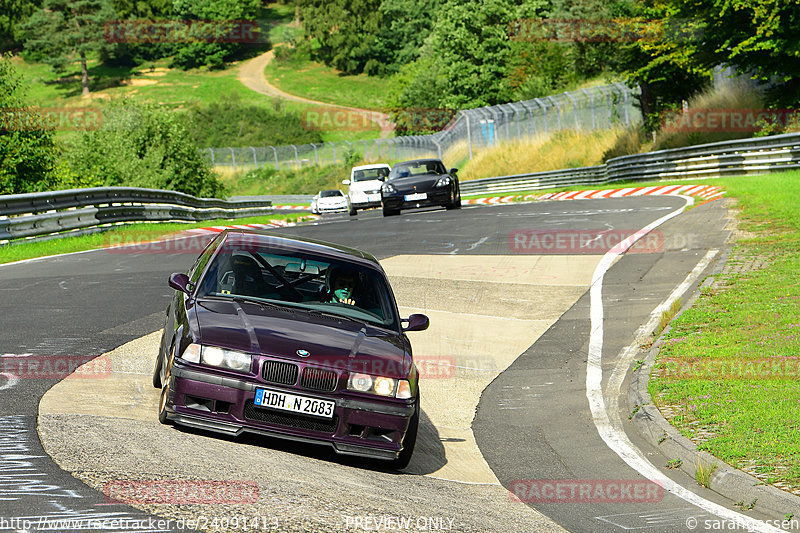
pixel 388 188
pixel 379 385
pixel 220 357
pixel 443 181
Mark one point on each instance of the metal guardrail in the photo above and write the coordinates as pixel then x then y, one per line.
pixel 83 210
pixel 727 158
pixel 38 214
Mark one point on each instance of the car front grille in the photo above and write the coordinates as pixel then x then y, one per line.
pixel 279 372
pixel 324 425
pixel 318 379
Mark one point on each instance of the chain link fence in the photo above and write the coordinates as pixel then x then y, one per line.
pixel 470 131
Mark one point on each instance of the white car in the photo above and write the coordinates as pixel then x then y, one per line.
pixel 364 186
pixel 330 201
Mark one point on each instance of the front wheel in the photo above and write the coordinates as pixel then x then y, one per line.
pixel 455 200
pixel 409 441
pixel 353 211
pixel 164 399
pixel 390 212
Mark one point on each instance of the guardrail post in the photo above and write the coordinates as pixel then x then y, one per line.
pixel 574 109
pixel 531 124
pixel 591 105
pixel 255 158
pixel 438 149
pixel 469 134
pixel 625 96
pixel 276 157
pixel 366 150
pixel 334 151
pixel 296 157
pixel 558 110
pixel 212 156
pixel 608 105
pixel 233 158
pixel 316 154
pixel 540 103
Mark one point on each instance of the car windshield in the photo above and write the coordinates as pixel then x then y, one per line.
pixel 370 174
pixel 417 168
pixel 301 281
pixel 330 194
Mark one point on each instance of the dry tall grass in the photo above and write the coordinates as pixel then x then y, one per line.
pixel 565 149
pixel 739 95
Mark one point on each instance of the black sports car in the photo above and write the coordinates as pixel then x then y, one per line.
pixel 420 183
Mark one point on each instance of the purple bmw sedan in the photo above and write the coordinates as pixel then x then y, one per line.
pixel 290 338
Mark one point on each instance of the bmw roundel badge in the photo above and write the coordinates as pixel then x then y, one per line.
pixel 303 353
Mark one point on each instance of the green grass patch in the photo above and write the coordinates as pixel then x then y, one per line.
pixel 300 76
pixel 748 419
pixel 127 233
pixel 156 82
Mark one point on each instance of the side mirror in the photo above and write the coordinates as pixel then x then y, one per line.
pixel 345 182
pixel 180 282
pixel 453 171
pixel 417 322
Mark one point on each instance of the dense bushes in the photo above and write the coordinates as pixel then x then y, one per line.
pixel 308 180
pixel 27 150
pixel 142 145
pixel 230 120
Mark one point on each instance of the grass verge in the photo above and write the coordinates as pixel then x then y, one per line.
pixel 300 76
pixel 127 233
pixel 729 366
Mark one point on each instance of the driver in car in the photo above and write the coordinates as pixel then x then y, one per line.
pixel 340 285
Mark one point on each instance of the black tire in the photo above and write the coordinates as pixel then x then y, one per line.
pixel 455 201
pixel 409 441
pixel 390 212
pixel 164 398
pixel 157 372
pixel 353 211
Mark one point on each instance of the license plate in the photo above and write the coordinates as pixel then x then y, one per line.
pixel 374 197
pixel 416 196
pixel 294 403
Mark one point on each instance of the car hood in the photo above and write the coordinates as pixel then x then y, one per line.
pixel 332 200
pixel 422 183
pixel 371 185
pixel 286 332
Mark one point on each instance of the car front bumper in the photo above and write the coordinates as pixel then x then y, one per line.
pixel 332 209
pixel 360 427
pixel 361 200
pixel 434 197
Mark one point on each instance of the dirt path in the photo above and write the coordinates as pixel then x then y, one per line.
pixel 251 74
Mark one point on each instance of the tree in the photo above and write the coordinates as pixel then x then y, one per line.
pixel 64 29
pixel 344 32
pixel 465 61
pixel 27 152
pixel 758 37
pixel 658 60
pixel 211 53
pixel 143 145
pixel 13 13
